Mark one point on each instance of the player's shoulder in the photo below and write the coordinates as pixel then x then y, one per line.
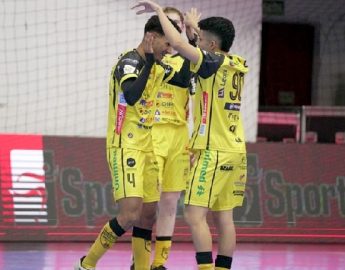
pixel 171 59
pixel 131 57
pixel 238 62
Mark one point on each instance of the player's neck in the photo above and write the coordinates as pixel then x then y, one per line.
pixel 141 51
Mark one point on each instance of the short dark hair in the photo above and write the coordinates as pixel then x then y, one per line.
pixel 154 25
pixel 220 27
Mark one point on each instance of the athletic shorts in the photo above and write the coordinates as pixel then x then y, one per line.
pixel 170 143
pixel 217 180
pixel 134 174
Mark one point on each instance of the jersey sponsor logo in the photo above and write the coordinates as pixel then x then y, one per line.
pixel 131 162
pixel 121 113
pixel 232 106
pixel 145 111
pixel 116 172
pixel 130 61
pixel 202 130
pixel 238 193
pixel 232 128
pixel 238 140
pixel 226 167
pixel 204 165
pixel 169 113
pixel 233 116
pixel 200 190
pixel 141 126
pixel 167 104
pixel 146 103
pixel 122 99
pixel 164 95
pixel 221 93
pixel 241 182
pixel 192 85
pixel 224 77
pixel 127 69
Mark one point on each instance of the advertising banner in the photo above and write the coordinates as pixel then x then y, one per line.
pixel 59 189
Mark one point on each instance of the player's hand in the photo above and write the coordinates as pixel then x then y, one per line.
pixel 149 6
pixel 192 18
pixel 148 39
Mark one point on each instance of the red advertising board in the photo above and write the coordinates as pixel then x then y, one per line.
pixel 59 189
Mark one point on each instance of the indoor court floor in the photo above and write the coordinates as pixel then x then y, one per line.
pixel 248 256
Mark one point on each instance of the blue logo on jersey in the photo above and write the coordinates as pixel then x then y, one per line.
pixel 232 106
pixel 122 99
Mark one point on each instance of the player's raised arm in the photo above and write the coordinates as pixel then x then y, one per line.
pixel 133 88
pixel 173 36
pixel 191 20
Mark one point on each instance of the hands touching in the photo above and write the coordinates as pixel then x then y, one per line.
pixel 192 18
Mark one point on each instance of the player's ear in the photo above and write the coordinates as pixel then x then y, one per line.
pixel 213 44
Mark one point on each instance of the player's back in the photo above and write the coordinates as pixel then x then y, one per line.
pixel 218 124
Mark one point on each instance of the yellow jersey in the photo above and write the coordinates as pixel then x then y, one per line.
pixel 172 100
pixel 218 123
pixel 130 126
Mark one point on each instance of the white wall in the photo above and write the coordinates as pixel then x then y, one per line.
pixel 56 57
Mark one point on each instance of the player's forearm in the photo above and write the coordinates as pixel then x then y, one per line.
pixel 175 39
pixel 173 36
pixel 133 90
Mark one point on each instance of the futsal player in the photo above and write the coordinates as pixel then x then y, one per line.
pixel 170 136
pixel 218 176
pixel 132 92
pixel 170 140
